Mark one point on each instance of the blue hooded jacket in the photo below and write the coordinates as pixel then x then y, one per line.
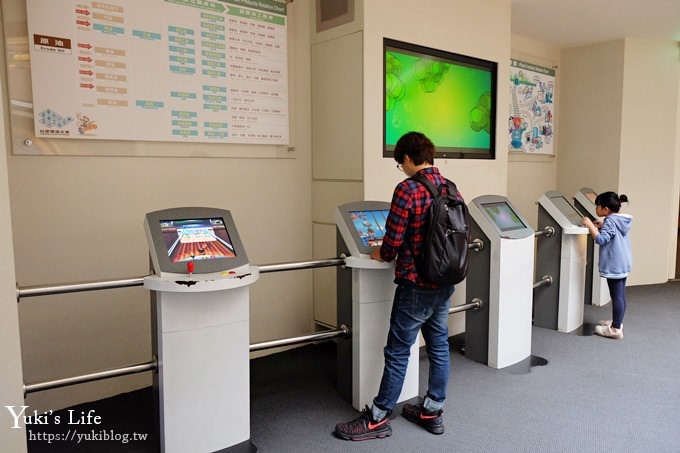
pixel 616 258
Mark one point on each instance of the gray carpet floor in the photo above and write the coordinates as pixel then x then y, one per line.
pixel 594 394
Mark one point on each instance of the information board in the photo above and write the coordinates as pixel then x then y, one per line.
pixel 531 121
pixel 161 70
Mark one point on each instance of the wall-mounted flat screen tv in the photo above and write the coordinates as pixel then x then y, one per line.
pixel 451 98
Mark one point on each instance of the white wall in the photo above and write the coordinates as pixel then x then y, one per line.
pixel 531 175
pixel 648 139
pixel 454 27
pixel 619 117
pixel 81 219
pixel 347 154
pixel 11 391
pixel 468 27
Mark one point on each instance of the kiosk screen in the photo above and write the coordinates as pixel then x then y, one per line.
pixel 196 239
pixel 569 211
pixel 370 226
pixel 503 216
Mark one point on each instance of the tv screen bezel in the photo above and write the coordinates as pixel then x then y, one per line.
pixel 442 151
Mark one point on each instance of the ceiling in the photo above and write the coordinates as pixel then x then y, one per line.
pixel 573 23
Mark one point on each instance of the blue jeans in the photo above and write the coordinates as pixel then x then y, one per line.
pixel 416 309
pixel 617 291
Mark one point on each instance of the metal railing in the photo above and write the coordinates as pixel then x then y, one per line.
pixel 546 280
pixel 297 265
pixel 124 371
pixel 547 231
pixel 475 304
pixel 47 290
pixel 33 291
pixel 342 331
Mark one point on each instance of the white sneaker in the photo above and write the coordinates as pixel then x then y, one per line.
pixel 609 332
pixel 604 322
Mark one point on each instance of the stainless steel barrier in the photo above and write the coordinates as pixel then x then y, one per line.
pixel 343 331
pixel 477 245
pixel 548 231
pixel 132 369
pixel 296 265
pixel 475 304
pixel 32 291
pixel 546 280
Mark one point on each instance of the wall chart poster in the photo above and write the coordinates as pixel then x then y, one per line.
pixel 165 70
pixel 531 119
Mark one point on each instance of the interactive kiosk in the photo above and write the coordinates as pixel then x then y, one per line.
pixel 365 294
pixel 501 273
pixel 200 330
pixel 596 291
pixel 563 257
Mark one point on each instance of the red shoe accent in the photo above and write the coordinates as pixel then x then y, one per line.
pixel 372 425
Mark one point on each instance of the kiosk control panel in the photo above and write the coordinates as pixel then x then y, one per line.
pixel 504 219
pixel 197 241
pixel 596 291
pixel 584 200
pixel 501 274
pixel 362 225
pixel 365 293
pixel 562 211
pixel 563 257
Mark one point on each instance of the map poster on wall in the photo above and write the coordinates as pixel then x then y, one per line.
pixel 164 70
pixel 531 119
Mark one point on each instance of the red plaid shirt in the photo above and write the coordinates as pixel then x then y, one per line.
pixel 405 226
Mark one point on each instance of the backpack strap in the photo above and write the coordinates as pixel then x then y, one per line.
pixel 431 187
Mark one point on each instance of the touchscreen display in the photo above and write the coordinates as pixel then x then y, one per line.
pixel 370 226
pixel 196 239
pixel 575 217
pixel 503 216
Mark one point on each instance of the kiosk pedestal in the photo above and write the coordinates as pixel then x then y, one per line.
pixel 596 291
pixel 563 257
pixel 201 341
pixel 499 334
pixel 365 295
pixel 200 330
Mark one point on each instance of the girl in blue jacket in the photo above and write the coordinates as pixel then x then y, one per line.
pixel 616 258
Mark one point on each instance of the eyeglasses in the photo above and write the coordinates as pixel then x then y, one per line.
pixel 400 167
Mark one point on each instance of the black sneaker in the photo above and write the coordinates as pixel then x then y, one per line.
pixel 431 421
pixel 364 427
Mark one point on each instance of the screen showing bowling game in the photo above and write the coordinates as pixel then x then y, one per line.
pixel 370 226
pixel 503 216
pixel 569 211
pixel 196 239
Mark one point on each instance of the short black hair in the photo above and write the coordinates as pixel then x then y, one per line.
pixel 416 146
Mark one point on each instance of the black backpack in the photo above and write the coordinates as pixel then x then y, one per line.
pixel 443 259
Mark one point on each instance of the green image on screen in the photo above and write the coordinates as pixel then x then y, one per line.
pixel 451 100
